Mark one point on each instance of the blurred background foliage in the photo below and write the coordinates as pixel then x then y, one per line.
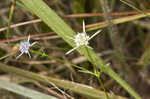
pixel 132 36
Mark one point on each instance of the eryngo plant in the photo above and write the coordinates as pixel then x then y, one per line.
pixel 82 39
pixel 25 46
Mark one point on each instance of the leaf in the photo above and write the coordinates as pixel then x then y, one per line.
pixel 72 86
pixel 48 16
pixel 18 89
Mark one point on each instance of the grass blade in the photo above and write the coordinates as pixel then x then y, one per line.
pixel 75 87
pixel 18 89
pixel 47 15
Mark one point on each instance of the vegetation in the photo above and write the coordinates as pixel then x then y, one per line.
pixel 110 61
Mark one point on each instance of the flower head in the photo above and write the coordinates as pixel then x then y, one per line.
pixel 82 39
pixel 24 47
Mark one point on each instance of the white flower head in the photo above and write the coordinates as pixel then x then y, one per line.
pixel 82 39
pixel 24 47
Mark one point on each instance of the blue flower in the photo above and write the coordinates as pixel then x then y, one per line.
pixel 24 47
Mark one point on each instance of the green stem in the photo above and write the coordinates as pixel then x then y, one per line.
pixel 75 87
pixel 49 17
pixel 10 18
pixel 96 72
pixel 102 86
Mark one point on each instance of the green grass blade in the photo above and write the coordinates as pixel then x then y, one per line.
pixel 10 18
pixel 47 15
pixel 75 87
pixel 117 21
pixel 132 6
pixel 144 61
pixel 18 89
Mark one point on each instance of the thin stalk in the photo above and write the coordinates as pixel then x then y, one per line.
pixel 10 18
pixel 114 36
pixel 49 17
pixel 75 87
pixel 97 74
pixel 102 86
pixel 133 7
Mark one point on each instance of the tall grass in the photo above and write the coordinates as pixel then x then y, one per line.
pixel 48 16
